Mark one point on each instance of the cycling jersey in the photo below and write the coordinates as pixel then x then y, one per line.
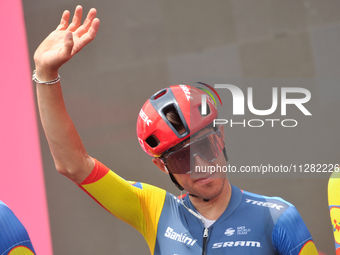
pixel 14 239
pixel 251 224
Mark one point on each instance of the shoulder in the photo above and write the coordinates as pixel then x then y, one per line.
pixel 5 211
pixel 8 218
pixel 282 212
pixel 13 235
pixel 3 205
pixel 290 234
pixel 276 205
pixel 283 223
pixel 260 198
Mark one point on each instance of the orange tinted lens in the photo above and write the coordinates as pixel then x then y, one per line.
pixel 209 148
pixel 179 161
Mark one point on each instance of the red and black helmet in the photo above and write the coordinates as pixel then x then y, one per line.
pixel 156 134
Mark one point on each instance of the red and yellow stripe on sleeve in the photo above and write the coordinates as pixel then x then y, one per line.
pixel 308 249
pixel 21 250
pixel 139 205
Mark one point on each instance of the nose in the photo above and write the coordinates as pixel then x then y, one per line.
pixel 198 160
pixel 199 165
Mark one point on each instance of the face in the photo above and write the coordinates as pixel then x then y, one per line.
pixel 202 183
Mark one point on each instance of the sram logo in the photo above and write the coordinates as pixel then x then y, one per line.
pixel 229 232
pixel 236 244
pixel 265 204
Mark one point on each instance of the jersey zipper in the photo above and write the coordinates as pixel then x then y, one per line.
pixel 205 237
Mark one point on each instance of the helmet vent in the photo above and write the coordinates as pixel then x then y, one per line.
pixel 152 141
pixel 175 120
pixel 159 94
pixel 200 110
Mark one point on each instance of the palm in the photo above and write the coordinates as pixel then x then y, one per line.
pixel 58 48
pixel 51 52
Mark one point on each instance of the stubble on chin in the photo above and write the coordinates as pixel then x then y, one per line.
pixel 210 190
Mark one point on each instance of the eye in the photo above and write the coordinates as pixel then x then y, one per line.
pixel 181 158
pixel 204 146
pixel 201 146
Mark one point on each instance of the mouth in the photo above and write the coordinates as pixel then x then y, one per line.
pixel 203 178
pixel 202 181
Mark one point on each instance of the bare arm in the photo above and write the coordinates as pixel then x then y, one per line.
pixel 69 154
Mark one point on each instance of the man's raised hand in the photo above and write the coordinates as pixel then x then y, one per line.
pixel 64 42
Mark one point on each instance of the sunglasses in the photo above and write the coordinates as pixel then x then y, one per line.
pixel 182 160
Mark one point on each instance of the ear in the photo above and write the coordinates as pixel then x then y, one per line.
pixel 160 165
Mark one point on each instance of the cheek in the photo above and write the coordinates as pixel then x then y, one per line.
pixel 221 160
pixel 183 179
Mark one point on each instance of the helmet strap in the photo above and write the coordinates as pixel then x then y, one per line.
pixel 205 200
pixel 173 179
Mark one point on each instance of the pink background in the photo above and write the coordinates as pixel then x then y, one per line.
pixel 143 46
pixel 22 185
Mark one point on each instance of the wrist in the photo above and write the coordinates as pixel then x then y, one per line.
pixel 46 82
pixel 45 74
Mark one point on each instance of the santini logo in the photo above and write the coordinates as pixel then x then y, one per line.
pixel 182 238
pixel 236 244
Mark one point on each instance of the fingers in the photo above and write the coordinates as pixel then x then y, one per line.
pixel 92 32
pixel 88 22
pixel 68 45
pixel 78 35
pixel 88 36
pixel 76 21
pixel 64 20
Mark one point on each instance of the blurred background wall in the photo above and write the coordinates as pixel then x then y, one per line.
pixel 143 46
pixel 22 183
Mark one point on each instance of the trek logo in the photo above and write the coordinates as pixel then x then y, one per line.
pixel 229 232
pixel 144 117
pixel 182 238
pixel 264 204
pixel 237 244
pixel 186 91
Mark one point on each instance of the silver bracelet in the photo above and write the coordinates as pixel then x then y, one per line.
pixel 54 81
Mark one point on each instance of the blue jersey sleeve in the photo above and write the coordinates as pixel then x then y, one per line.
pixel 291 236
pixel 13 235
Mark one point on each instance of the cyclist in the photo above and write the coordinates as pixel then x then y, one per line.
pixel 213 217
pixel 14 238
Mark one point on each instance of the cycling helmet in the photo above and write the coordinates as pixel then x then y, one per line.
pixel 156 134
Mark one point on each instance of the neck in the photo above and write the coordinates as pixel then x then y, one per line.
pixel 213 208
